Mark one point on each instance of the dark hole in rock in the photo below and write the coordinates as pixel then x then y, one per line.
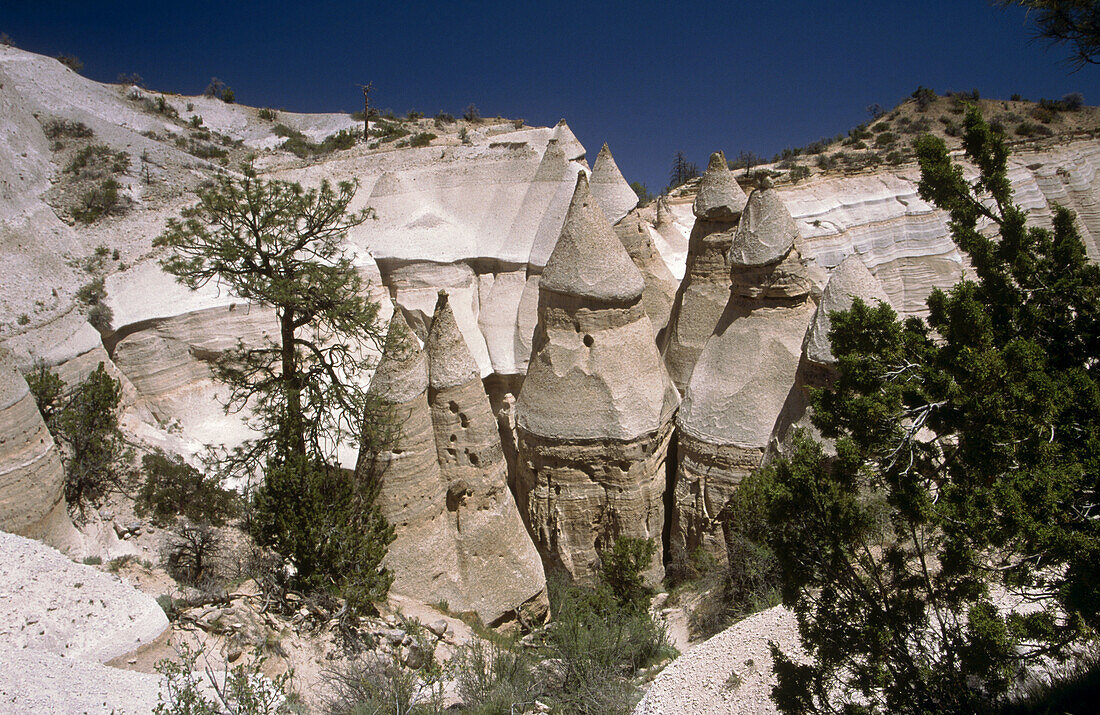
pixel 588 341
pixel 453 452
pixel 473 459
pixel 455 494
pixel 452 406
pixel 454 438
pixel 462 419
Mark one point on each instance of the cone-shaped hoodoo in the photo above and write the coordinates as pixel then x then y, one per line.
pixel 720 198
pixel 610 188
pixel 594 413
pixel 848 281
pixel 500 567
pixel 704 290
pixel 412 493
pixel 743 375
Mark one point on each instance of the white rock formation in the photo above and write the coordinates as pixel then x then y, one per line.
pixel 502 576
pixel 610 189
pixel 32 480
pixel 743 375
pixel 594 415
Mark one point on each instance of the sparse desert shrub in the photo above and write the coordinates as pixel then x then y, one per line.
pixel 885 139
pixel 133 79
pixel 203 150
pixel 195 121
pixel 98 201
pixel 160 105
pixel 174 488
pixel 412 115
pixel 6 40
pixel 219 90
pixel 826 162
pixel 71 61
pixel 84 422
pixel 622 568
pixel 895 157
pixel 472 114
pixel 96 160
pixel 464 136
pixel 58 128
pixel 24 319
pixel 100 316
pixel 193 550
pixel 924 97
pixel 950 126
pixel 268 114
pixel 798 173
pixel 194 688
pixel 1029 129
pixel 1044 114
pixel 421 139
pixel 492 678
pixel 383 684
pixel 388 131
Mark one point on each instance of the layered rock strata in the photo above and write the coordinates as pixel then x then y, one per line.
pixel 743 374
pixel 32 480
pixel 593 417
pixel 817 366
pixel 704 290
pixel 502 575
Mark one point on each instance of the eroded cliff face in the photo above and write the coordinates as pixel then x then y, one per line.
pixel 482 220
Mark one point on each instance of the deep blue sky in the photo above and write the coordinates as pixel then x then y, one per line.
pixel 650 78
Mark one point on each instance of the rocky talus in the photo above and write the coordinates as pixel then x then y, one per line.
pixel 817 366
pixel 32 480
pixel 593 417
pixel 743 374
pixel 502 576
pixel 704 290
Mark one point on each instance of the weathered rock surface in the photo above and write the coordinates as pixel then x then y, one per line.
pixel 704 290
pixel 660 286
pixel 816 368
pixel 32 480
pixel 412 493
pixel 54 605
pixel 720 198
pixel 594 414
pixel 743 375
pixel 502 576
pixel 611 191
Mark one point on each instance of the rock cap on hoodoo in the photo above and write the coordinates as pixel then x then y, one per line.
pixel 766 232
pixel 610 188
pixel 553 165
pixel 589 261
pixel 449 360
pixel 848 281
pixel 402 373
pixel 720 197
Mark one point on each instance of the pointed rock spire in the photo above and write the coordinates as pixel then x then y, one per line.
pixel 610 189
pixel 589 261
pixel 402 372
pixel 449 360
pixel 720 197
pixel 766 232
pixel 554 164
pixel 848 281
pixel 664 213
pixel 574 150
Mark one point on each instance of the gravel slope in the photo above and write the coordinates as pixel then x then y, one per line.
pixel 704 680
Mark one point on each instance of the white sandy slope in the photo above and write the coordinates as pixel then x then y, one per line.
pixel 729 673
pixel 60 621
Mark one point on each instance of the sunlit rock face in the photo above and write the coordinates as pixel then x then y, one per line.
pixel 817 366
pixel 502 576
pixel 660 286
pixel 743 374
pixel 704 290
pixel 593 418
pixel 32 480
